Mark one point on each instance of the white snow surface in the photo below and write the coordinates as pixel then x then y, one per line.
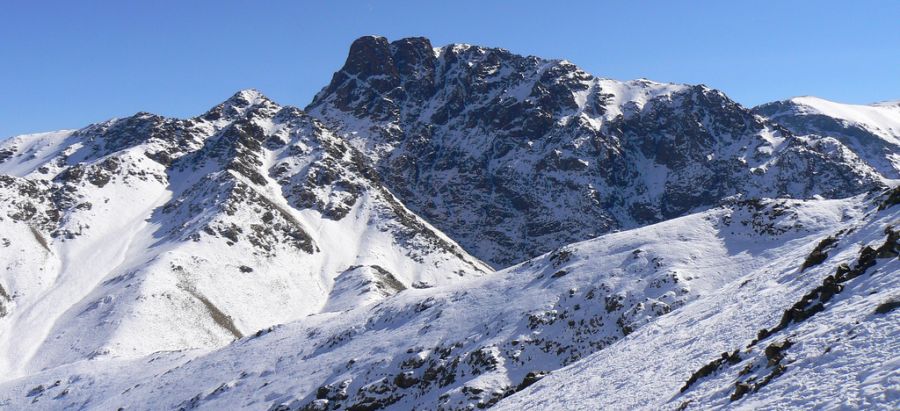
pixel 844 357
pixel 628 316
pixel 35 150
pixel 882 119
pixel 107 253
pixel 872 131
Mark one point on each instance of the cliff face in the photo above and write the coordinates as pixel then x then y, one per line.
pixel 513 156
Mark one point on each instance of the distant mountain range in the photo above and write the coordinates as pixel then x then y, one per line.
pixel 456 227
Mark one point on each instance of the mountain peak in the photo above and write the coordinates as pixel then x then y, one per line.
pixel 422 115
pixel 247 97
pixel 372 56
pixel 369 56
pixel 238 104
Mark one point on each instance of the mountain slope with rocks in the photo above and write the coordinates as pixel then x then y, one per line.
pixel 643 309
pixel 871 131
pixel 455 228
pixel 818 333
pixel 146 233
pixel 513 156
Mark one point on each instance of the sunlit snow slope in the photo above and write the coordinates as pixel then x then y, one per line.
pixel 632 314
pixel 813 331
pixel 145 234
pixel 871 131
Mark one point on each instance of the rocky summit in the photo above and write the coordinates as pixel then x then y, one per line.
pixel 514 156
pixel 453 228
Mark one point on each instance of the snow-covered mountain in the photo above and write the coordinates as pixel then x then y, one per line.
pixel 659 246
pixel 145 234
pixel 871 131
pixel 819 333
pixel 633 316
pixel 514 156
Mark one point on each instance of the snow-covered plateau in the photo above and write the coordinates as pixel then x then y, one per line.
pixel 457 228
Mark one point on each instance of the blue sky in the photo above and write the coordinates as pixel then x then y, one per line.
pixel 66 64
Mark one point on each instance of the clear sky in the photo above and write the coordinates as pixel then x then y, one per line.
pixel 65 64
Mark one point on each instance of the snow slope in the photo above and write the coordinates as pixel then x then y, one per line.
pixel 146 234
pixel 882 119
pixel 632 314
pixel 841 354
pixel 871 131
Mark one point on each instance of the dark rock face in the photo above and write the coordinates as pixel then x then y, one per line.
pixel 6 153
pixel 514 156
pixel 4 297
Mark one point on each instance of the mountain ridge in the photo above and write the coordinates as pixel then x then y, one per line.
pixel 449 228
pixel 248 188
pixel 523 138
